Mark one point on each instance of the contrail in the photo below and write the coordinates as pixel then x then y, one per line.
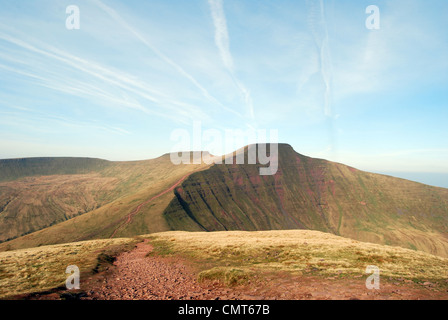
pixel 221 33
pixel 118 79
pixel 326 63
pixel 114 15
pixel 319 30
pixel 222 43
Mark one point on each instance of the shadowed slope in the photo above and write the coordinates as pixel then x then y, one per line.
pixel 315 194
pixel 106 196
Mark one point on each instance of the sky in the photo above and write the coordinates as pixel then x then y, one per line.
pixel 137 71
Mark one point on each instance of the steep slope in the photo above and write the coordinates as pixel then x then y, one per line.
pixel 152 196
pixel 42 192
pixel 314 194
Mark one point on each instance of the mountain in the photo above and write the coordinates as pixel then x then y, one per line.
pixel 36 193
pixel 315 194
pixel 13 169
pixel 305 193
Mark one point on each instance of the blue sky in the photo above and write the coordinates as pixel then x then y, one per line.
pixel 137 70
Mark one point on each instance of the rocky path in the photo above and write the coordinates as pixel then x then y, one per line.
pixel 142 277
pixel 138 276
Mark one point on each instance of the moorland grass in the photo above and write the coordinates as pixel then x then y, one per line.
pixel 234 255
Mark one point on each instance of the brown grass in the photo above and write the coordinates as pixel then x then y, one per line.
pixel 141 180
pixel 225 254
pixel 231 257
pixel 43 268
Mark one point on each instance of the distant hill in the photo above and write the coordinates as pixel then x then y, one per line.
pixel 37 193
pixel 437 179
pixel 131 198
pixel 12 169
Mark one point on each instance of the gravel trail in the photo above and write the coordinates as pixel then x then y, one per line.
pixel 136 276
pixel 142 277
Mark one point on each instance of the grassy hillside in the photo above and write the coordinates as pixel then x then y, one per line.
pixel 32 203
pixel 314 194
pixel 12 169
pixel 233 255
pixel 115 192
pixel 125 199
pixel 232 258
pixel 43 268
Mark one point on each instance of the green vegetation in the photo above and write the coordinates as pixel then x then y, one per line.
pixel 228 276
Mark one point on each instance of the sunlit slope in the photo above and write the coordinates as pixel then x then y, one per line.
pixel 38 269
pixel 228 257
pixel 308 193
pixel 296 251
pixel 113 193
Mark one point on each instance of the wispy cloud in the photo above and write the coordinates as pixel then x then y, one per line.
pixel 158 101
pixel 114 15
pixel 402 53
pixel 147 67
pixel 319 30
pixel 221 33
pixel 20 118
pixel 222 43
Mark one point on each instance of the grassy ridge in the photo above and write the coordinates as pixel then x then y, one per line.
pixel 12 169
pixel 33 203
pixel 43 268
pixel 235 255
pixel 233 258
pixel 64 188
pixel 120 189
